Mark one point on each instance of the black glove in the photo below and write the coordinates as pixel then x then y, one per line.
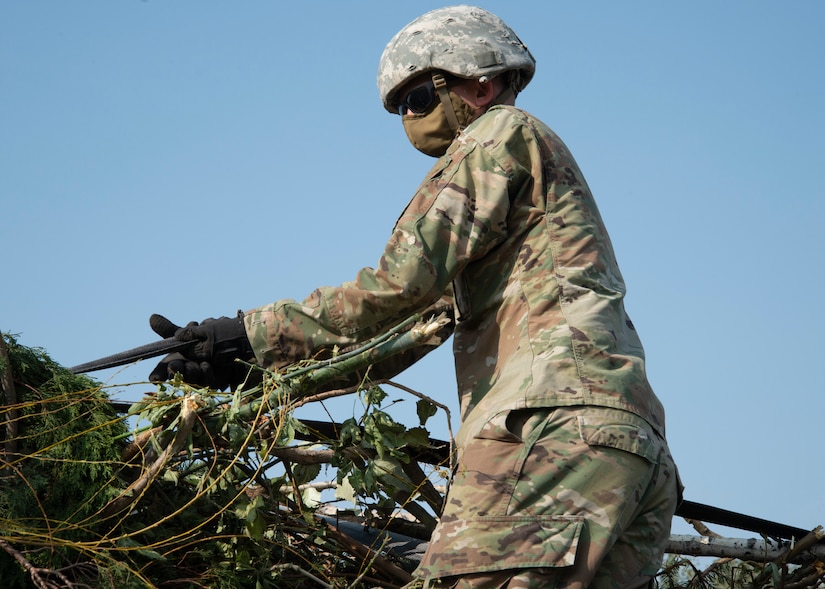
pixel 211 361
pixel 195 373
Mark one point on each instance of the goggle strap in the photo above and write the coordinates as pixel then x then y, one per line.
pixel 440 85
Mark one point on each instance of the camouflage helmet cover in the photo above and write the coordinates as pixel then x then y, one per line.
pixel 465 41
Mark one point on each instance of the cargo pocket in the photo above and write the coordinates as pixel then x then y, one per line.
pixel 623 431
pixel 489 467
pixel 500 543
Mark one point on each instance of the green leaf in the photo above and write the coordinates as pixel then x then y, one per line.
pixel 345 491
pixel 242 507
pixel 417 437
pixel 305 473
pixel 255 521
pixel 311 497
pixel 237 434
pixel 425 410
pixel 256 526
pixel 350 433
pixel 286 431
pixel 375 395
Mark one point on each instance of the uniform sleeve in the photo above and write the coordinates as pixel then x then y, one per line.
pixel 458 214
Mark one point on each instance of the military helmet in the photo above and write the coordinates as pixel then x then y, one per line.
pixel 465 41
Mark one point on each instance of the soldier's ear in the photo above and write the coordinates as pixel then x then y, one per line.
pixel 486 91
pixel 477 93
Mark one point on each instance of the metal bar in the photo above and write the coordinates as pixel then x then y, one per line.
pixel 722 517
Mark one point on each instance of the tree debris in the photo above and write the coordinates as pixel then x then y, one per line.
pixel 211 489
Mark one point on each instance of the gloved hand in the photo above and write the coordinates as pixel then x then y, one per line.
pixel 211 361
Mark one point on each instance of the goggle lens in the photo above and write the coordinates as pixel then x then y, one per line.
pixel 418 100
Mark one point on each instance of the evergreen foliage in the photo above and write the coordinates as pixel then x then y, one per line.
pixel 65 462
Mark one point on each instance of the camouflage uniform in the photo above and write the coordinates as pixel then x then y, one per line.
pixel 563 470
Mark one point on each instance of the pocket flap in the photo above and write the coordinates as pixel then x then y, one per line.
pixel 499 543
pixel 629 437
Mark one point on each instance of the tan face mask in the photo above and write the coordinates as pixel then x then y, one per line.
pixel 431 132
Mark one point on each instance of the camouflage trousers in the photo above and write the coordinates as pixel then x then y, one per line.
pixel 567 497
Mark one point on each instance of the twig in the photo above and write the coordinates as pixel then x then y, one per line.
pixel 331 394
pixel 33 571
pixel 299 570
pixel 702 528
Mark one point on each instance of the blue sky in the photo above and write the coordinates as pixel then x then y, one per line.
pixel 196 158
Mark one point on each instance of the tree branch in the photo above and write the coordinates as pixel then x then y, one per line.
pixel 189 412
pixel 749 549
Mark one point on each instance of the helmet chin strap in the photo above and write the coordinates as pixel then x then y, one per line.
pixel 440 85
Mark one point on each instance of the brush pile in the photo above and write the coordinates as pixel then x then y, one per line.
pixel 191 487
pixel 194 487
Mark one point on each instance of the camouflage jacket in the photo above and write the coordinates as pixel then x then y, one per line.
pixel 507 220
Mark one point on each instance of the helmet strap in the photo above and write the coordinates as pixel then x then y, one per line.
pixel 440 85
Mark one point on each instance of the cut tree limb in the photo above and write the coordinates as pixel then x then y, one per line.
pixel 749 549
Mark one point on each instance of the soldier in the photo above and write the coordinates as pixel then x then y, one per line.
pixel 564 477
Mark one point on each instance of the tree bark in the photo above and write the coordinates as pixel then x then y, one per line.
pixel 750 549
